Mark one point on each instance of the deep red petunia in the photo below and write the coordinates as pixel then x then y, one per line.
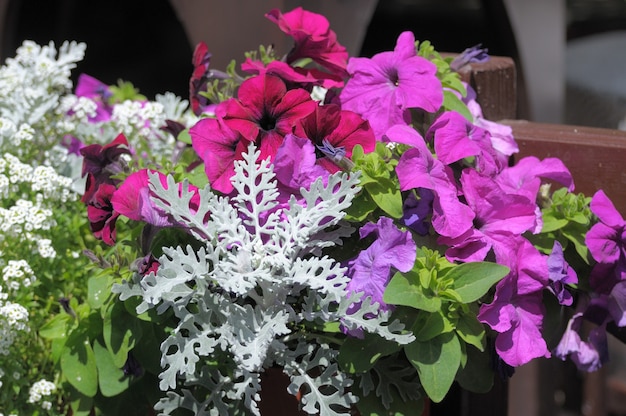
pixel 341 129
pixel 100 212
pixel 313 39
pixel 101 162
pixel 265 111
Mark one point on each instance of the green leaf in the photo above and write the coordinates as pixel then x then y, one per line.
pixel 111 379
pixel 406 289
pixel 429 325
pixel 575 233
pixel 361 207
pixel 470 330
pixel 359 355
pixel 184 136
pixel 453 103
pixel 78 364
pixel 57 327
pixel 437 362
pixel 120 331
pixel 551 223
pixel 371 405
pixel 98 290
pixel 473 280
pixel 387 196
pixel 477 375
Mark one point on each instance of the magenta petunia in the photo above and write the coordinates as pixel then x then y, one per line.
pixel 606 241
pixel 455 138
pixel 265 111
pixel 517 310
pixel 418 168
pixel 97 91
pixel 294 77
pixel 525 177
pixel 340 129
pixel 218 146
pixel 133 199
pixel 313 39
pixel 498 216
pixel 382 89
pixel 370 271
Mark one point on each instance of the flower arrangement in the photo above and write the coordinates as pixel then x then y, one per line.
pixel 353 222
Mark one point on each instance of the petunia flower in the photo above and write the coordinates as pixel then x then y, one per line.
pixel 606 241
pixel 295 165
pixel 104 161
pixel 200 78
pixel 313 39
pixel 100 212
pixel 383 89
pixel 218 146
pixel 294 77
pixel 498 216
pixel 455 138
pixel 474 54
pixel 334 128
pixel 560 274
pixel 98 92
pixel 517 310
pixel 418 168
pixel 370 271
pixel 265 111
pixel 587 355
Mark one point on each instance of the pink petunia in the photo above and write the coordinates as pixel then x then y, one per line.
pixel 313 39
pixel 218 146
pixel 383 89
pixel 294 77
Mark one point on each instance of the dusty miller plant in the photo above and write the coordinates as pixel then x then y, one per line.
pixel 245 297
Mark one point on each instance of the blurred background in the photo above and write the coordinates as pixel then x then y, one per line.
pixel 569 53
pixel 571 68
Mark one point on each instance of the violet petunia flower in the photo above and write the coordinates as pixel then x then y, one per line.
pixel 498 216
pixel 474 54
pixel 295 165
pixel 98 92
pixel 383 89
pixel 370 271
pixel 417 168
pixel 517 310
pixel 606 241
pixel 265 111
pixel 560 274
pixel 587 355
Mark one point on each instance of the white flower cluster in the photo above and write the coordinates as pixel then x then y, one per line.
pixel 39 390
pixel 141 118
pixel 18 273
pixel 13 321
pixel 31 82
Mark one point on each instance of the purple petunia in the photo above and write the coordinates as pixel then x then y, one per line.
pixel 383 89
pixel 560 274
pixel 370 271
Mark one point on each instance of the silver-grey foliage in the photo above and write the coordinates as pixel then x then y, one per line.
pixel 245 298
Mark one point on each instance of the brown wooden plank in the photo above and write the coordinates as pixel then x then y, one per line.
pixel 596 157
